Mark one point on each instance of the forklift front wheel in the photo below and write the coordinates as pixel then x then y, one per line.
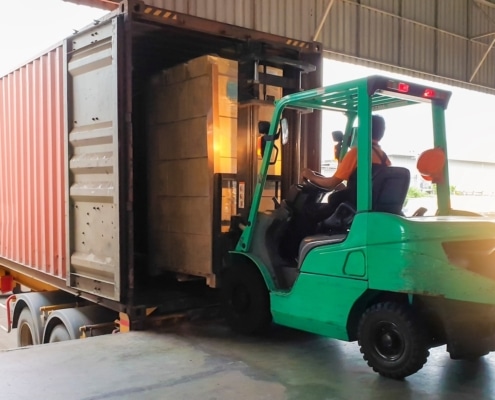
pixel 245 299
pixel 392 340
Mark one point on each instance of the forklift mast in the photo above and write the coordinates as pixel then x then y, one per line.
pixel 265 76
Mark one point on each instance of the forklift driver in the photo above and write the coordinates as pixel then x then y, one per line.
pixel 346 171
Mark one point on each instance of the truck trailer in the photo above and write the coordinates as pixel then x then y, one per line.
pixel 128 153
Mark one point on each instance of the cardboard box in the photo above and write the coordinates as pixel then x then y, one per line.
pixel 192 134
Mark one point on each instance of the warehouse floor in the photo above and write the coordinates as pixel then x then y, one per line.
pixel 206 361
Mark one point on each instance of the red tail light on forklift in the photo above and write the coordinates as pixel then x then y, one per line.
pixel 403 87
pixel 399 86
pixel 429 93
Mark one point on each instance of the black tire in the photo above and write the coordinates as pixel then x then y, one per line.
pixel 474 357
pixel 59 334
pixel 26 330
pixel 472 352
pixel 392 341
pixel 245 300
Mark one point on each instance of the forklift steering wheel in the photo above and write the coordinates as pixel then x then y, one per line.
pixel 311 186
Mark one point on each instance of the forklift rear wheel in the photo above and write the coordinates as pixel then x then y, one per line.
pixel 245 299
pixel 392 340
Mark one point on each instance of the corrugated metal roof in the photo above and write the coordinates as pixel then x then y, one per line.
pixel 453 16
pixel 443 38
pixel 448 48
pixel 420 11
pixel 376 32
pixel 339 30
pixel 421 56
pixel 481 21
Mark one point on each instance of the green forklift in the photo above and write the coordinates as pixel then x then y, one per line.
pixel 397 284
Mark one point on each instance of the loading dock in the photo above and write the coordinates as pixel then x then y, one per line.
pixel 205 361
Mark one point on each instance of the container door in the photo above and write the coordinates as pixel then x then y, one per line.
pixel 92 145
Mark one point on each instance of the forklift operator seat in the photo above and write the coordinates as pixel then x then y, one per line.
pixel 390 187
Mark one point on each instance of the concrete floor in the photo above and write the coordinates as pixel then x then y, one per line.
pixel 206 361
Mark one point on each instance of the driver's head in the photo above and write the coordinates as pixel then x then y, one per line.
pixel 377 127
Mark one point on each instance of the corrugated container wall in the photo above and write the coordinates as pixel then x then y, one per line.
pixel 32 178
pixel 424 38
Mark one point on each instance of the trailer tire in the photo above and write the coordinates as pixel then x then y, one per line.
pixel 245 300
pixel 59 334
pixel 26 329
pixel 392 340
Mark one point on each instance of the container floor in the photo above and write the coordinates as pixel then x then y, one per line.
pixel 198 360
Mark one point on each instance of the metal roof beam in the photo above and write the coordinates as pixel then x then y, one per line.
pixel 323 19
pixel 482 60
pixel 479 3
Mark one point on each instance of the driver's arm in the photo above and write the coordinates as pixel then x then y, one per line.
pixel 327 182
pixel 344 170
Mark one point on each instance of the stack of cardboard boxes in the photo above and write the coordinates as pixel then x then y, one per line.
pixel 192 131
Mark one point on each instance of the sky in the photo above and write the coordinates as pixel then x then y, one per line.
pixel 469 123
pixel 27 30
pixel 29 27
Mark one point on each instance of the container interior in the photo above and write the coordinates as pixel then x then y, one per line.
pixel 156 48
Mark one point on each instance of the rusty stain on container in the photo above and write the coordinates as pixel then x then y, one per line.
pixel 32 177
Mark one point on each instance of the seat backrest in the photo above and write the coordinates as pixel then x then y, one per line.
pixel 390 187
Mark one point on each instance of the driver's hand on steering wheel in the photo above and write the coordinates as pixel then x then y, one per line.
pixel 306 173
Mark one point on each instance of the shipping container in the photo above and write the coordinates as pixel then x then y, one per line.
pixel 128 152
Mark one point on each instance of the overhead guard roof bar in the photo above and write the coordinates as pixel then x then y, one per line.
pixel 385 93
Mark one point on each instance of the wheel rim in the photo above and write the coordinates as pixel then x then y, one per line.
pixel 26 336
pixel 240 300
pixel 388 341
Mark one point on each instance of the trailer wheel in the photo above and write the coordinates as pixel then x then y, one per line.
pixel 245 299
pixel 25 329
pixel 59 334
pixel 392 341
